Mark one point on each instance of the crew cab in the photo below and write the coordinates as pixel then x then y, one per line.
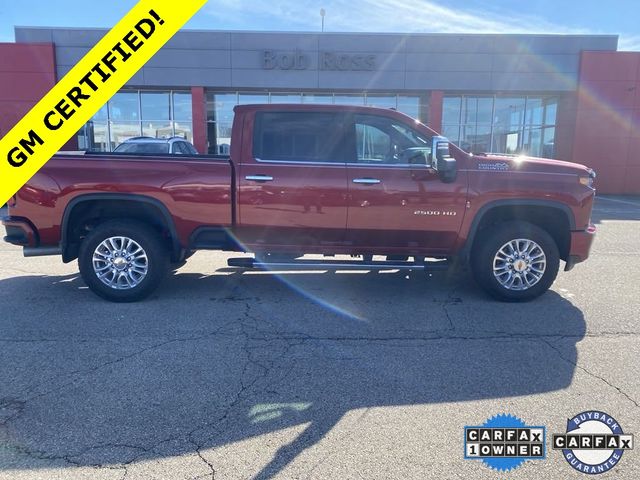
pixel 370 183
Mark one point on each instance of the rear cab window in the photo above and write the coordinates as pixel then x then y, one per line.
pixel 300 137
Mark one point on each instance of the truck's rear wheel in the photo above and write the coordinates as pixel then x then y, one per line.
pixel 515 261
pixel 123 261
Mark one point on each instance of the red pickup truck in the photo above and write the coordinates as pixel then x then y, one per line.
pixel 311 179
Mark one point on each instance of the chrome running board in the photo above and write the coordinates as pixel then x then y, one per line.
pixel 253 263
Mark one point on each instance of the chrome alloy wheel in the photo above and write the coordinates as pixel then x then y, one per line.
pixel 519 264
pixel 120 263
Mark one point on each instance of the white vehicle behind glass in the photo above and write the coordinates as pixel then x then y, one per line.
pixel 156 146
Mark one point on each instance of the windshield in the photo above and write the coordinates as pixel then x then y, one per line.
pixel 148 148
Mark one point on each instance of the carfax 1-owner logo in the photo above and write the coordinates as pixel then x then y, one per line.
pixel 593 443
pixel 504 442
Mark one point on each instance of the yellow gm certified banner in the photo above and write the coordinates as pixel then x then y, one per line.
pixel 87 87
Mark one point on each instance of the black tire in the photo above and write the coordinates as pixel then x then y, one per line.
pixel 490 242
pixel 157 259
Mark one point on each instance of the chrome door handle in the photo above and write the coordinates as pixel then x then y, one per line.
pixel 259 178
pixel 366 181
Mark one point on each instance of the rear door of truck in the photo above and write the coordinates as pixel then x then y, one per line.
pixel 292 179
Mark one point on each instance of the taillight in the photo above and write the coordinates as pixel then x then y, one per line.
pixel 12 201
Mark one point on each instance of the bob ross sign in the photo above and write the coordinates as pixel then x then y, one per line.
pixel 272 60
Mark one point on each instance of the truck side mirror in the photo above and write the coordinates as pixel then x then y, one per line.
pixel 443 162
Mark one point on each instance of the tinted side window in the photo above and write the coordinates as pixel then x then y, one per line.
pixel 180 148
pixel 373 144
pixel 382 140
pixel 190 149
pixel 299 136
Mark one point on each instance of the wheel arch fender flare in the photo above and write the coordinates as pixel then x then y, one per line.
pixel 492 205
pixel 137 198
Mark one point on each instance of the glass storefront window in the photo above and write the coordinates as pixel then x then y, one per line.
pixel 484 110
pixel 482 138
pixel 509 111
pixel 184 130
pixel 550 111
pixel 507 125
pixel 477 110
pixel 532 141
pixel 506 139
pixel 220 108
pixel 157 129
pixel 102 114
pixel 220 121
pixel 286 98
pixel 94 136
pixel 183 116
pixel 475 138
pixel 250 98
pixel 133 113
pixel 535 111
pixel 410 105
pixel 548 142
pixel 155 106
pixel 182 107
pixel 452 132
pixel 348 99
pixel 322 98
pixel 469 109
pixel 155 113
pixel 501 124
pixel 121 131
pixel 451 110
pixel 382 101
pixel 124 106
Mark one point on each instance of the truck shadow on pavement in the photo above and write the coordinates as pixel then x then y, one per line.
pixel 212 360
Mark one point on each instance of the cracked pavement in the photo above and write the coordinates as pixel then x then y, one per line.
pixel 224 374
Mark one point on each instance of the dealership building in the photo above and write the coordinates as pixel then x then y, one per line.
pixel 570 97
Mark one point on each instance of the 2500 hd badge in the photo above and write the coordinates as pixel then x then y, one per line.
pixel 436 213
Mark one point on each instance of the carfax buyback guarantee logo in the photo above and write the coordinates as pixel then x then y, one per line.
pixel 593 443
pixel 504 442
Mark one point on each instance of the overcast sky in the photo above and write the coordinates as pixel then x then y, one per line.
pixel 620 17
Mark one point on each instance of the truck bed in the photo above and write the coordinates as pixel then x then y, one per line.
pixel 196 191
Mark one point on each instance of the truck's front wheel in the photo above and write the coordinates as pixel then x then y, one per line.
pixel 123 261
pixel 515 261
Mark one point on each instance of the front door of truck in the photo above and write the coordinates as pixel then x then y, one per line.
pixel 395 202
pixel 292 186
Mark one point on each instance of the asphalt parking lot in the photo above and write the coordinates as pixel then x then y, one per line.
pixel 231 375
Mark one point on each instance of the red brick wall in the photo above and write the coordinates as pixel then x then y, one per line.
pixel 607 127
pixel 435 110
pixel 199 109
pixel 566 126
pixel 27 73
